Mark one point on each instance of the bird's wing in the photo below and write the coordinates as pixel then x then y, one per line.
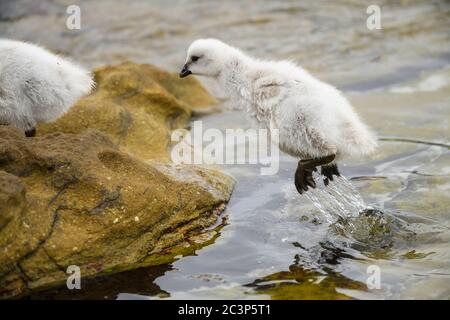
pixel 268 92
pixel 319 145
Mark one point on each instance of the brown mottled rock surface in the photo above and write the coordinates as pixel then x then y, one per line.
pixel 137 106
pixel 96 188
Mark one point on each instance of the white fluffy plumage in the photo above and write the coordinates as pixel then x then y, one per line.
pixel 314 119
pixel 36 85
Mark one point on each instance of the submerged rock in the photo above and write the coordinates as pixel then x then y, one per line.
pixel 300 283
pixel 96 189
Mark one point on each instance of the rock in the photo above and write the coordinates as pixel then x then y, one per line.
pixel 306 284
pixel 96 189
pixel 137 106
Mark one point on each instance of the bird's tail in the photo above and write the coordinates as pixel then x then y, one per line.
pixel 361 141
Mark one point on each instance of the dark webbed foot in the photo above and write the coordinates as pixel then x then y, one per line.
pixel 30 133
pixel 304 177
pixel 304 174
pixel 328 171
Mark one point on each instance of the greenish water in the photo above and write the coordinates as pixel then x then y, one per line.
pixel 275 243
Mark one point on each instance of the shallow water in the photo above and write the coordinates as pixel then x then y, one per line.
pixel 275 243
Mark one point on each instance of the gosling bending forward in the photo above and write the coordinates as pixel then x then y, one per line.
pixel 316 122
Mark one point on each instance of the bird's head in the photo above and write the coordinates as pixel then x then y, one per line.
pixel 206 57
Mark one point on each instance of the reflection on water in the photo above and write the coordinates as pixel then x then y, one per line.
pixel 278 244
pixel 109 287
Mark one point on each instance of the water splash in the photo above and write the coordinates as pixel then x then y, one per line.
pixel 339 199
pixel 354 225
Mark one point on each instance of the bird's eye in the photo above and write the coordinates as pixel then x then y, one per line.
pixel 195 58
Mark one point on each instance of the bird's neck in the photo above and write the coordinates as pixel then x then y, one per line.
pixel 235 79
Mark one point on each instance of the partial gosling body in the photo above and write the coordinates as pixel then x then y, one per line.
pixel 316 122
pixel 36 85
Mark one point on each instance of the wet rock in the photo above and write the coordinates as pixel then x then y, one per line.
pixel 96 189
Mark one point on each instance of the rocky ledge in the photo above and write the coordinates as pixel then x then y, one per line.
pixel 96 189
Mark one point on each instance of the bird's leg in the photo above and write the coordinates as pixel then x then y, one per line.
pixel 305 169
pixel 328 171
pixel 30 133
